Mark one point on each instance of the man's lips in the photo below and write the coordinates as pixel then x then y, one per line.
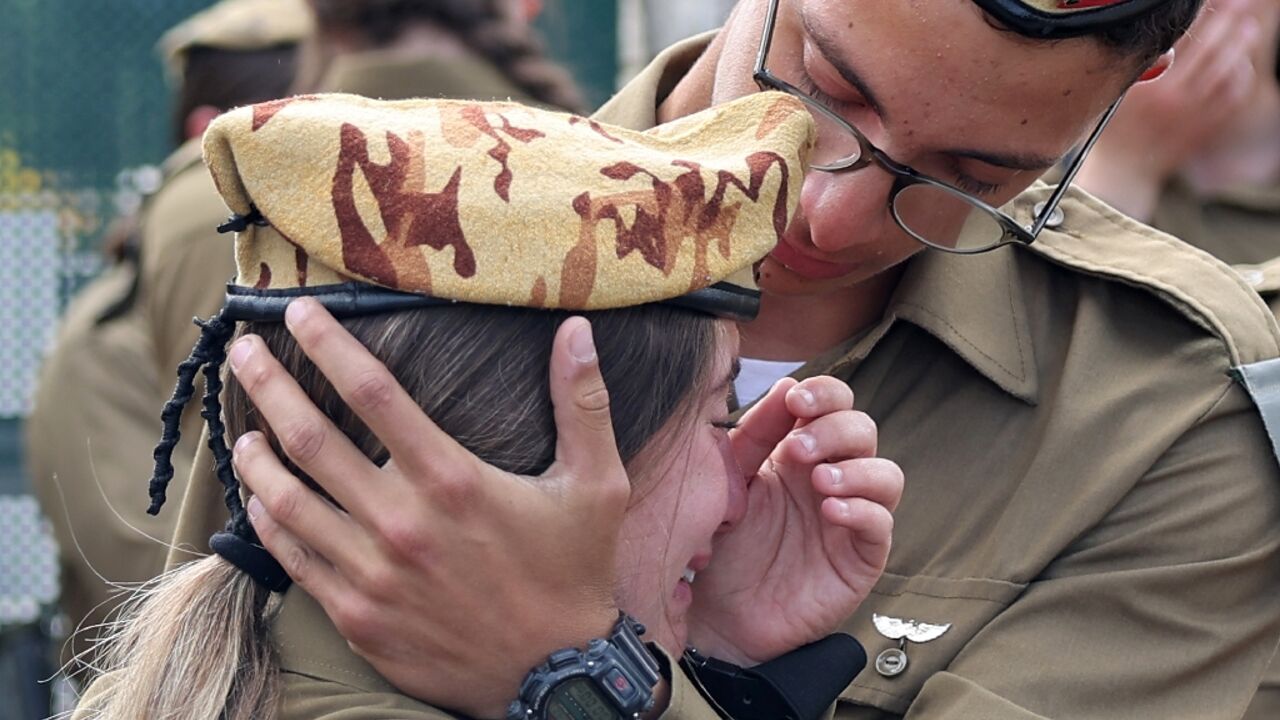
pixel 805 266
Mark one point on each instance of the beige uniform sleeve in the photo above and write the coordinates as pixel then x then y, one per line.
pixel 1165 609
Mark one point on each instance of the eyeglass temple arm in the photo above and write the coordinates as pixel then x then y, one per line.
pixel 1065 183
pixel 766 37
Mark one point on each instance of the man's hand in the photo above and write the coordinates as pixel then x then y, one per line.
pixel 397 571
pixel 816 535
pixel 1162 123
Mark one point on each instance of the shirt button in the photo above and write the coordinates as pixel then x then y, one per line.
pixel 891 662
pixel 1056 218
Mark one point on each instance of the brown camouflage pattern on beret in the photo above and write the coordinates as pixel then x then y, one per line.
pixel 237 25
pixel 500 203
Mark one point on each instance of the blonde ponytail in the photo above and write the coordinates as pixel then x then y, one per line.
pixel 193 644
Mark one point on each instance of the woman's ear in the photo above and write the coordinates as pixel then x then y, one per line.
pixel 1157 68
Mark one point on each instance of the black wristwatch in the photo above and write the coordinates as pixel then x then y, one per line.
pixel 613 679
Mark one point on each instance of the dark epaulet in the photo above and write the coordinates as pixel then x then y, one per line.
pixel 1098 240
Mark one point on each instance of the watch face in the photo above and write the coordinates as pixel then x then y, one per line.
pixel 579 699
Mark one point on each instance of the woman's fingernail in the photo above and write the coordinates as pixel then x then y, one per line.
pixel 835 476
pixel 240 352
pixel 842 508
pixel 806 441
pixel 254 507
pixel 297 311
pixel 806 398
pixel 581 345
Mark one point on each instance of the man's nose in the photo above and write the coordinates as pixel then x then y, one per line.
pixel 843 209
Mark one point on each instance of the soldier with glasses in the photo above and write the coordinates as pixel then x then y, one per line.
pixel 1091 521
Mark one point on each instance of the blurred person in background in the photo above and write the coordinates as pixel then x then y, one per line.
pixel 92 428
pixel 1197 154
pixel 466 49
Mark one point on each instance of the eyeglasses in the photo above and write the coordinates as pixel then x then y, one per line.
pixel 930 210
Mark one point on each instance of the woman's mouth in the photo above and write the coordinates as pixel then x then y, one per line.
pixel 803 265
pixel 684 586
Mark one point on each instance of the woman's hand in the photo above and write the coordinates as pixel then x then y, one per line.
pixel 452 578
pixel 817 529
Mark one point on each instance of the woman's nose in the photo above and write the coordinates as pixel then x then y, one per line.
pixel 846 209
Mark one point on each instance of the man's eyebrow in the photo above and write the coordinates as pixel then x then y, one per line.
pixel 828 48
pixel 1013 161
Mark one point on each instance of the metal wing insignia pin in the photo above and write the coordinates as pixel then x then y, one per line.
pixel 911 630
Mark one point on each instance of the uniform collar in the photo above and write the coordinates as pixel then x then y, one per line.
pixel 635 106
pixel 310 645
pixel 187 155
pixel 973 303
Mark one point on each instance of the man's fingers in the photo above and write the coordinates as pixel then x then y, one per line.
pixel 875 479
pixel 373 393
pixel 293 508
pixel 585 444
pixel 763 427
pixel 310 571
pixel 817 396
pixel 837 436
pixel 307 436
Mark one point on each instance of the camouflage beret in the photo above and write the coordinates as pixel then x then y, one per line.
pixel 1066 18
pixel 499 203
pixel 237 25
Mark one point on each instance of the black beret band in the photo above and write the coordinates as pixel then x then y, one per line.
pixel 351 299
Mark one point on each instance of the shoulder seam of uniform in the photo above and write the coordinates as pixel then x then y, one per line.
pixel 1243 344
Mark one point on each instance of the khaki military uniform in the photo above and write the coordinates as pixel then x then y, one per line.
pixel 1240 227
pixel 95 414
pixel 321 678
pixel 1091 523
pixel 95 420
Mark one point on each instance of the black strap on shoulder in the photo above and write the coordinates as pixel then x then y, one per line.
pixel 800 685
pixel 1262 381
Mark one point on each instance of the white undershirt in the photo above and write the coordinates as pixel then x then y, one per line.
pixel 757 376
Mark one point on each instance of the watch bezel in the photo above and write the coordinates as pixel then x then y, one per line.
pixel 620 669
